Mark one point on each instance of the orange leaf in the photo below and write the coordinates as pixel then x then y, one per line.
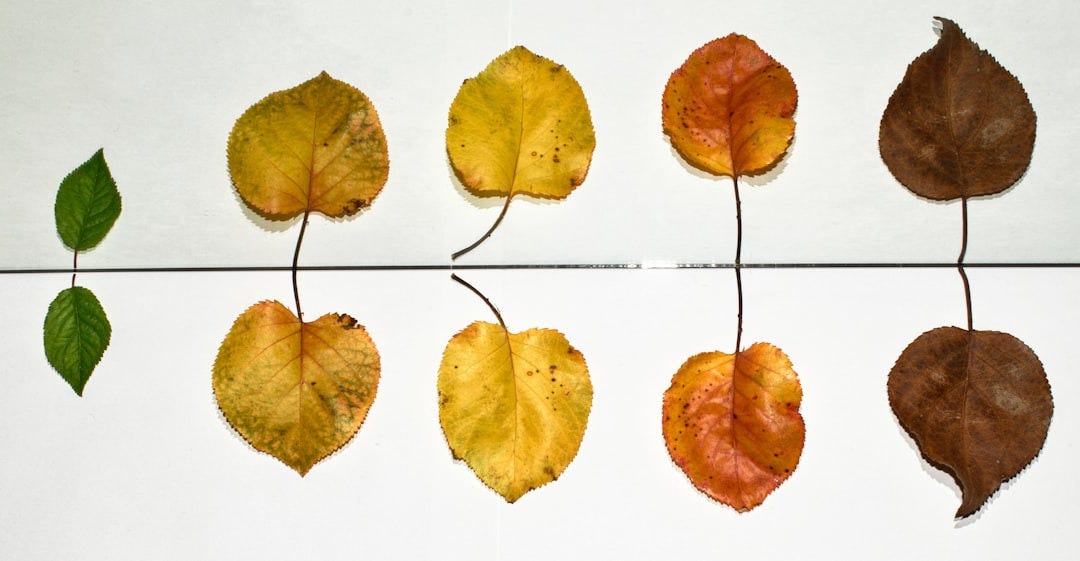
pixel 295 390
pixel 728 109
pixel 732 423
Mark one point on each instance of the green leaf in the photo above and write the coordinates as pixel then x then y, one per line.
pixel 76 335
pixel 87 204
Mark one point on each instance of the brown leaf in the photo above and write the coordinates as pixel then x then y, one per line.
pixel 959 124
pixel 977 403
pixel 728 109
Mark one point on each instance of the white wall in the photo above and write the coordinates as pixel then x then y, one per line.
pixel 144 466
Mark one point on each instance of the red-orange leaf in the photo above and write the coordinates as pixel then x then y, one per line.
pixel 977 403
pixel 732 423
pixel 728 109
pixel 295 390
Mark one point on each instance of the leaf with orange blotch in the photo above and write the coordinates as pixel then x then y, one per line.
pixel 728 109
pixel 295 390
pixel 316 147
pixel 522 126
pixel 732 423
pixel 958 125
pixel 977 404
pixel 513 405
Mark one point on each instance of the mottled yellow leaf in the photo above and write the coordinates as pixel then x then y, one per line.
pixel 513 405
pixel 295 390
pixel 316 147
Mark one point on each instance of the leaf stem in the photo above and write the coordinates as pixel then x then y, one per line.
pixel 960 260
pixel 295 259
pixel 74 267
pixel 738 260
pixel 498 220
pixel 494 310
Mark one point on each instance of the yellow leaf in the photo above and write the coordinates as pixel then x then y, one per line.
pixel 732 423
pixel 513 405
pixel 295 390
pixel 316 147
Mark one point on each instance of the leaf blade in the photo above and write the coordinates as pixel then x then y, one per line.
pixel 958 124
pixel 729 108
pixel 514 406
pixel 521 126
pixel 295 390
pixel 76 334
pixel 977 404
pixel 732 423
pixel 87 204
pixel 318 146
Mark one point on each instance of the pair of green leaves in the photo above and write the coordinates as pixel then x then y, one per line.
pixel 77 332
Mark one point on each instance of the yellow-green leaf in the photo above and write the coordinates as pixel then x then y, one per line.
pixel 316 147
pixel 295 390
pixel 513 405
pixel 520 126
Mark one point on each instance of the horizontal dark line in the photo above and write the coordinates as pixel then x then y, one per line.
pixel 519 266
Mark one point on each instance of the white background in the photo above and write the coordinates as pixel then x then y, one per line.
pixel 144 466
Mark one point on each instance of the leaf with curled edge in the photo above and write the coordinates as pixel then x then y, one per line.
pixel 295 390
pixel 977 404
pixel 728 109
pixel 513 405
pixel 732 423
pixel 316 147
pixel 521 126
pixel 958 125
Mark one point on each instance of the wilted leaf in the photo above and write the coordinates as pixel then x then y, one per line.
pixel 76 335
pixel 520 126
pixel 977 403
pixel 87 204
pixel 732 423
pixel 513 405
pixel 297 391
pixel 318 146
pixel 958 125
pixel 728 109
